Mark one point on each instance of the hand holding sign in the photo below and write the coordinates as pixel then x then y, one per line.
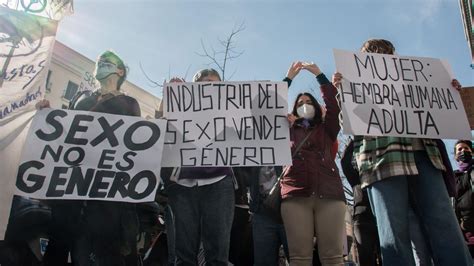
pixel 42 104
pixel 291 119
pixel 336 79
pixel 456 84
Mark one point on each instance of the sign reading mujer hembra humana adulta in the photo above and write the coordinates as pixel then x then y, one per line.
pixel 91 156
pixel 226 124
pixel 388 95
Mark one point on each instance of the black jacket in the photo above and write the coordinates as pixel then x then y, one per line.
pixel 463 204
pixel 251 177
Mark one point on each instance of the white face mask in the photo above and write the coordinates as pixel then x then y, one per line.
pixel 105 69
pixel 305 111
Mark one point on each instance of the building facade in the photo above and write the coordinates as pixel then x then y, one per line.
pixel 467 8
pixel 71 72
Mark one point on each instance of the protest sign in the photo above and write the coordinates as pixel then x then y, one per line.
pixel 91 156
pixel 389 95
pixel 88 82
pixel 25 52
pixel 52 9
pixel 226 124
pixel 26 44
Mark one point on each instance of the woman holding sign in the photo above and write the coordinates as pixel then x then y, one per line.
pixel 313 198
pixel 97 232
pixel 202 202
pixel 400 174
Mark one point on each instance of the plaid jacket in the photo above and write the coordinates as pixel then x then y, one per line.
pixel 382 157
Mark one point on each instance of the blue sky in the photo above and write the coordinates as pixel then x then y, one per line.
pixel 165 35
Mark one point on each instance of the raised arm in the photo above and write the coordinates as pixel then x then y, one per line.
pixel 328 93
pixel 293 72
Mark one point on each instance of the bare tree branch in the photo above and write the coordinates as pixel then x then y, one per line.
pixel 221 58
pixel 235 56
pixel 155 84
pixel 212 57
pixel 233 73
pixel 187 72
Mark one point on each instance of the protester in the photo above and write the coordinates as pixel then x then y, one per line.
pixel 241 247
pixel 165 174
pixel 268 233
pixel 363 220
pixel 202 201
pixel 463 203
pixel 313 202
pixel 364 225
pixel 402 173
pixel 334 152
pixel 96 232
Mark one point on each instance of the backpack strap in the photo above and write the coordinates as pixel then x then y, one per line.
pixel 277 183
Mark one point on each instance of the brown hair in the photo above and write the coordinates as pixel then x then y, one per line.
pixel 379 46
pixel 205 73
pixel 467 142
pixel 318 116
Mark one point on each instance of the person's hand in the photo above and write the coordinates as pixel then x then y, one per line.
pixel 291 119
pixel 312 67
pixel 294 70
pixel 42 104
pixel 462 224
pixel 336 79
pixel 455 83
pixel 323 111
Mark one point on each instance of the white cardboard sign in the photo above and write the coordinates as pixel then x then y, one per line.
pixel 91 156
pixel 389 95
pixel 226 124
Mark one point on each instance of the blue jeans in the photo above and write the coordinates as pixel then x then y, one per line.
pixel 268 236
pixel 390 200
pixel 421 250
pixel 203 213
pixel 170 235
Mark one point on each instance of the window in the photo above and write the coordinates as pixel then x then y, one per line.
pixel 71 90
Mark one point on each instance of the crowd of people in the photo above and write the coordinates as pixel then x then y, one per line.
pixel 410 207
